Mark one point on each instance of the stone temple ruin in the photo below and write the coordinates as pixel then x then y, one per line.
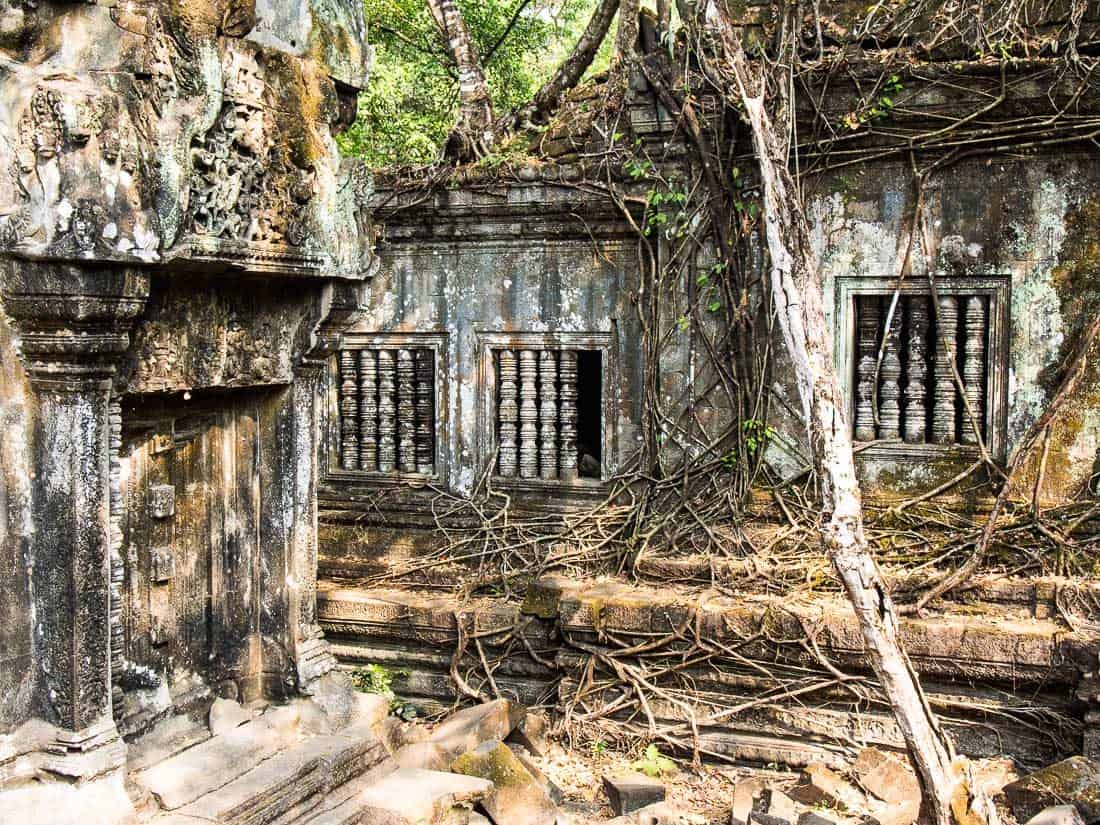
pixel 245 382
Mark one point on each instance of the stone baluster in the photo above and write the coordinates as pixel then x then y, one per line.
pixel 548 415
pixel 425 411
pixel 387 412
pixel 368 410
pixel 889 394
pixel 349 411
pixel 406 411
pixel 567 414
pixel 528 415
pixel 508 414
pixel 973 372
pixel 916 414
pixel 865 369
pixel 943 411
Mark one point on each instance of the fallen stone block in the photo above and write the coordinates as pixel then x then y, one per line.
pixel 396 733
pixel 885 776
pixel 371 709
pixel 1057 815
pixel 226 715
pixel 773 807
pixel 465 730
pixel 531 734
pixel 659 813
pixel 416 797
pixel 820 785
pixel 816 818
pixel 628 792
pixel 516 795
pixel 552 790
pixel 1074 781
pixel 888 813
pixel 744 799
pixel 424 755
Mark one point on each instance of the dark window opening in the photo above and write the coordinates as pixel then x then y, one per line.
pixel 549 413
pixel 590 414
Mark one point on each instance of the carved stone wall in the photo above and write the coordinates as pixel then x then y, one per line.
pixel 174 219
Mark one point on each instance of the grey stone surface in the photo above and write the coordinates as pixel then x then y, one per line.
pixel 886 776
pixel 466 729
pixel 628 792
pixel 1057 815
pixel 418 797
pixel 225 715
pixel 517 796
pixel 1074 781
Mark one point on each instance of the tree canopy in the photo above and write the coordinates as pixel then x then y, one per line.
pixel 409 107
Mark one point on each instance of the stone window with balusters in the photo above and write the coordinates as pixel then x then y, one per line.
pixel 924 371
pixel 388 398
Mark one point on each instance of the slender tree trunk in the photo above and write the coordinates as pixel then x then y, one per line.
pixel 474 135
pixel 569 73
pixel 626 39
pixel 800 306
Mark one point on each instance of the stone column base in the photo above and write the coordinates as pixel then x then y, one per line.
pixel 88 753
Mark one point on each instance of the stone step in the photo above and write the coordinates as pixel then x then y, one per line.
pixel 290 786
pixel 199 770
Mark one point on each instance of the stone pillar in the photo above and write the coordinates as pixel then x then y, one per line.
pixel 311 652
pixel 73 322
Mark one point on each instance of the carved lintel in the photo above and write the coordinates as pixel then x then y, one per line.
pixel 508 414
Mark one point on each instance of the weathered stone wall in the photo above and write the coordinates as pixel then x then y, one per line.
pixel 175 219
pixel 17 626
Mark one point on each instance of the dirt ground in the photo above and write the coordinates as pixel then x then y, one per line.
pixel 703 797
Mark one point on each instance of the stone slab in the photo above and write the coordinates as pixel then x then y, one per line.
pixel 418 797
pixel 1075 781
pixel 517 796
pixel 628 792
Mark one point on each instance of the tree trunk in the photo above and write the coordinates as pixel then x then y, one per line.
pixel 800 304
pixel 569 73
pixel 473 135
pixel 626 39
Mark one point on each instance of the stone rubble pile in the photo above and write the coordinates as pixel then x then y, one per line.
pixel 348 762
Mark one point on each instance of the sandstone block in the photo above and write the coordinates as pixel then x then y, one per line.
pixel 744 799
pixel 886 776
pixel 816 818
pixel 424 755
pixel 888 813
pixel 774 807
pixel 516 795
pixel 1073 781
pixel 821 785
pixel 628 792
pixel 531 733
pixel 465 730
pixel 416 797
pixel 226 715
pixel 552 790
pixel 1057 815
pixel 372 709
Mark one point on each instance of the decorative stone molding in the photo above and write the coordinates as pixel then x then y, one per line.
pixel 73 324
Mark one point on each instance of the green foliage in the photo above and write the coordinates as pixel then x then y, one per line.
pixel 409 107
pixel 653 764
pixel 378 679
